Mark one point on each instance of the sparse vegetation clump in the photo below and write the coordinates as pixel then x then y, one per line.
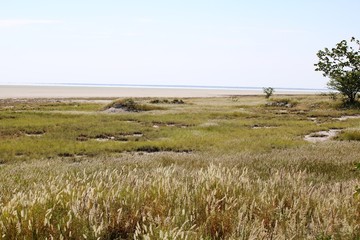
pixel 283 102
pixel 130 105
pixel 209 169
pixel 167 101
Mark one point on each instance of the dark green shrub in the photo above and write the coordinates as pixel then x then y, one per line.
pixel 130 105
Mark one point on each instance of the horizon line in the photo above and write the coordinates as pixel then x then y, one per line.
pixel 161 86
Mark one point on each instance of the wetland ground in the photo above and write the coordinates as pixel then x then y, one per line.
pixel 236 167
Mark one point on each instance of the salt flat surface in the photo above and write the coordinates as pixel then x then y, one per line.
pixel 8 91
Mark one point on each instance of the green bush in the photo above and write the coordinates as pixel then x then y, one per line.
pixel 130 105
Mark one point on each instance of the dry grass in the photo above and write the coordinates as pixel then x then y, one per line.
pixel 236 182
pixel 181 197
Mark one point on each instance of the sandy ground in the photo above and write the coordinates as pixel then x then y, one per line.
pixel 7 91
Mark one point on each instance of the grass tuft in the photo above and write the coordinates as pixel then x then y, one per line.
pixel 350 135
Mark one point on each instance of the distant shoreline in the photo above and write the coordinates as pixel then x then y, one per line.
pixel 160 86
pixel 118 91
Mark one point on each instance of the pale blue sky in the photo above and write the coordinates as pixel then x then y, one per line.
pixel 190 42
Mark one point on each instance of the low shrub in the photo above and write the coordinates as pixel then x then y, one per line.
pixel 166 101
pixel 130 105
pixel 284 102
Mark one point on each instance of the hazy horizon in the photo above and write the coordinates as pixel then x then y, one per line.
pixel 165 86
pixel 195 43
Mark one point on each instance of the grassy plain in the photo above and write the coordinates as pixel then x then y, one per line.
pixel 211 168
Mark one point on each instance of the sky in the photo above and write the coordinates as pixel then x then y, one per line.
pixel 166 42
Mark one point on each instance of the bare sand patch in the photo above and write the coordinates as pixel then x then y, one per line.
pixel 209 124
pixel 114 110
pixel 322 136
pixel 34 135
pixel 313 119
pixel 344 118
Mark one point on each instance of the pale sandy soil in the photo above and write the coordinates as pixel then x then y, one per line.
pixel 7 91
pixel 322 136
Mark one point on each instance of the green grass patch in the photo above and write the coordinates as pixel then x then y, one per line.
pixel 350 135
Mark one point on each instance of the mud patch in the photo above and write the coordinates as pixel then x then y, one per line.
pixel 169 124
pixel 121 137
pixel 313 119
pixel 82 138
pixel 7 117
pixel 156 149
pixel 282 112
pixel 148 149
pixel 104 138
pixel 322 136
pixel 74 155
pixel 134 134
pixel 133 121
pixel 256 126
pixel 34 133
pixel 66 155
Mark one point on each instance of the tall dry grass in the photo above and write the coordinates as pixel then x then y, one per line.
pixel 177 201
